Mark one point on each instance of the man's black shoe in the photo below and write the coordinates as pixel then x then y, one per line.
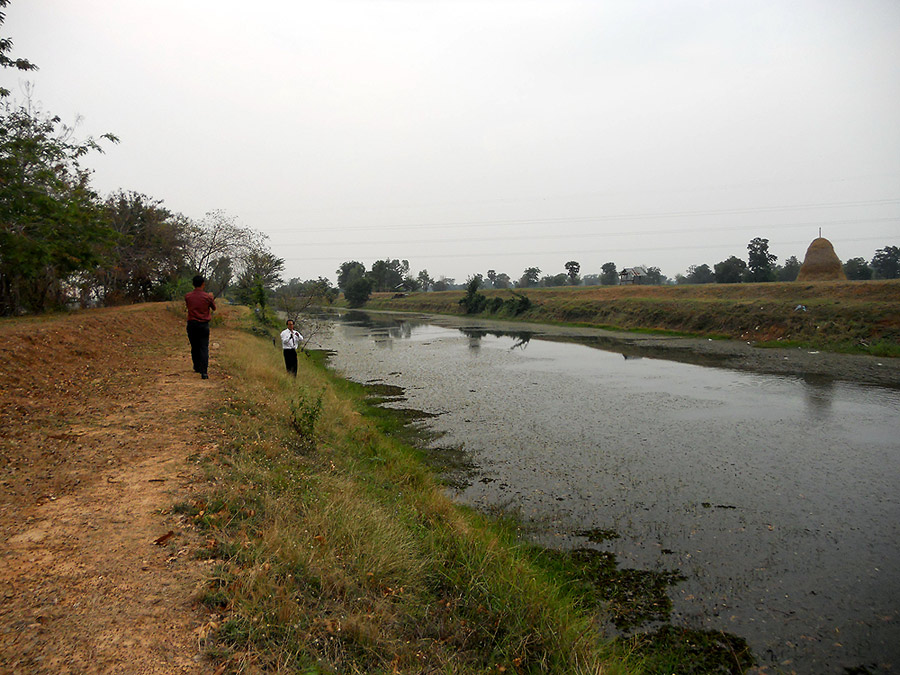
pixel 204 376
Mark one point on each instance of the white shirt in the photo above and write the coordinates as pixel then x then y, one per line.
pixel 290 339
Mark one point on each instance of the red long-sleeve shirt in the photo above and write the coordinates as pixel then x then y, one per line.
pixel 199 303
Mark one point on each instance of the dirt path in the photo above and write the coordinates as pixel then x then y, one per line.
pixel 98 411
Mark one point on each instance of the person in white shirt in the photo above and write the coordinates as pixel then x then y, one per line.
pixel 290 340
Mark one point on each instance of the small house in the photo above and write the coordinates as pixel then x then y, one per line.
pixel 633 275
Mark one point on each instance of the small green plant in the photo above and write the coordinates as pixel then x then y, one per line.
pixel 305 413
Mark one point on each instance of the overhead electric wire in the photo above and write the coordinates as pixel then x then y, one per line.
pixel 582 252
pixel 606 217
pixel 580 235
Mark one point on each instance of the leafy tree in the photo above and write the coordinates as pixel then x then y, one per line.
pixel 443 284
pixel 387 274
pixel 358 291
pixel 788 271
pixel 410 283
pixel 349 272
pixel 473 301
pixel 502 280
pixel 52 229
pixel 886 262
pixel 655 276
pixel 492 277
pixel 700 274
pixel 425 281
pixel 730 271
pixel 609 274
pixel 530 277
pixel 261 273
pixel 857 269
pixel 6 45
pixel 148 253
pixel 760 261
pixel 572 269
pixel 554 280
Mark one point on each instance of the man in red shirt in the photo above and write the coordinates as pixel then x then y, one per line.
pixel 199 305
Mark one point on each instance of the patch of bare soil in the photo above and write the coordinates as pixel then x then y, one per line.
pixel 102 423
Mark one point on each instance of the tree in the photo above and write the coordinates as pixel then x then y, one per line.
pixel 358 291
pixel 886 262
pixel 261 273
pixel 473 301
pixel 443 284
pixel 148 253
pixel 700 274
pixel 788 271
pixel 530 277
pixel 730 271
pixel 218 236
pixel 572 269
pixel 425 281
pixel 492 277
pixel 760 261
pixel 655 276
pixel 502 280
pixel 52 229
pixel 554 280
pixel 349 272
pixel 609 274
pixel 387 274
pixel 6 45
pixel 857 269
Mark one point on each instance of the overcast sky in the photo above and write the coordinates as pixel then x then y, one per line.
pixel 468 135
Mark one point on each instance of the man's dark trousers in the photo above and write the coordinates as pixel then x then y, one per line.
pixel 198 334
pixel 290 361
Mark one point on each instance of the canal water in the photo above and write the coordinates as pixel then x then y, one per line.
pixel 776 497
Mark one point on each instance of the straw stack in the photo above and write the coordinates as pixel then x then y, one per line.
pixel 821 263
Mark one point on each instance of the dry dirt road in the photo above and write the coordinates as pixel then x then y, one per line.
pixel 101 424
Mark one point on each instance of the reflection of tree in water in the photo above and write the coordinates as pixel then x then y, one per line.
pixel 819 394
pixel 520 338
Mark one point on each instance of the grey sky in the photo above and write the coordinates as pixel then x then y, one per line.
pixel 465 136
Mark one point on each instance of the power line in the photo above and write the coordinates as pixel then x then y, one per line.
pixel 705 230
pixel 587 219
pixel 580 252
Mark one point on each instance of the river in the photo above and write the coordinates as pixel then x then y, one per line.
pixel 775 496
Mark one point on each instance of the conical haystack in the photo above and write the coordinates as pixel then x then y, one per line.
pixel 821 263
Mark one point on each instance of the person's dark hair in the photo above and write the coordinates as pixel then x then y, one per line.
pixel 289 321
pixel 198 280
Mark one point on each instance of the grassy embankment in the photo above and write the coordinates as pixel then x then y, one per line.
pixel 856 317
pixel 338 552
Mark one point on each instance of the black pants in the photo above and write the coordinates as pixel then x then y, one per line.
pixel 198 334
pixel 290 361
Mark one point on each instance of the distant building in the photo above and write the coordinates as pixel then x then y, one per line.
pixel 633 275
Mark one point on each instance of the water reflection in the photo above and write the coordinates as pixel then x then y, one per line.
pixel 819 395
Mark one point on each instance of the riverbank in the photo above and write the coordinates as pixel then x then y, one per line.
pixel 256 522
pixel 859 317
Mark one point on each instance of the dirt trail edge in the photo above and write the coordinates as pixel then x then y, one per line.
pixel 102 424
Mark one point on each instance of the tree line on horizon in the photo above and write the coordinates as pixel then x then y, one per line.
pixel 392 275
